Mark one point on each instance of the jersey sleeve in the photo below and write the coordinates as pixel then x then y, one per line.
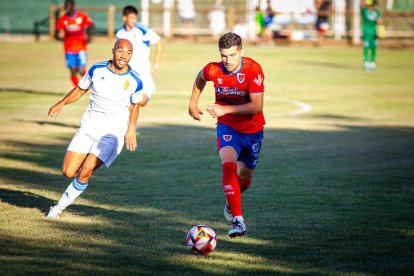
pixel 152 37
pixel 88 20
pixel 138 94
pixel 207 72
pixel 256 79
pixel 59 24
pixel 86 81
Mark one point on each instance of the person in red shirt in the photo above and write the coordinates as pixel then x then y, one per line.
pixel 239 87
pixel 78 29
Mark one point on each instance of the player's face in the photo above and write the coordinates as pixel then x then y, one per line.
pixel 231 58
pixel 130 20
pixel 122 54
pixel 69 7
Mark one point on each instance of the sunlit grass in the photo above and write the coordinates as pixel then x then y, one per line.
pixel 332 193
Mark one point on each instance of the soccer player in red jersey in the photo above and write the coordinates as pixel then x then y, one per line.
pixel 239 87
pixel 78 29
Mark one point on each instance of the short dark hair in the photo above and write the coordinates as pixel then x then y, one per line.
pixel 229 40
pixel 129 9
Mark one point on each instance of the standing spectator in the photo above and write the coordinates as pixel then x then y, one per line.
pixel 322 25
pixel 217 19
pixel 371 17
pixel 187 13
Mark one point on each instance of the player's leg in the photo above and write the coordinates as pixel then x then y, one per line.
pixel 71 63
pixel 244 176
pixel 90 164
pixel 373 52
pixel 366 45
pixel 81 63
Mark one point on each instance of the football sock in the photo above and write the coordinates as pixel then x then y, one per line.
pixel 244 184
pixel 231 188
pixel 74 79
pixel 373 51
pixel 366 50
pixel 72 192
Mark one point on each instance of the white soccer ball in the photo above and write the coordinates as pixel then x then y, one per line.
pixel 201 239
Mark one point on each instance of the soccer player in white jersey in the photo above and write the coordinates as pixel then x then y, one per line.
pixel 141 38
pixel 108 122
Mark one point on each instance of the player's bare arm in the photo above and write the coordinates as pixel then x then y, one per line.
pixel 71 97
pixel 198 87
pixel 131 137
pixel 157 57
pixel 254 107
pixel 89 32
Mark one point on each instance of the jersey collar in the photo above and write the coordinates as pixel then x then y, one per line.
pixel 123 74
pixel 228 73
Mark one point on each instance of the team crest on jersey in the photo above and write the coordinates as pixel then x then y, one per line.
pixel 240 77
pixel 78 20
pixel 126 85
pixel 258 81
pixel 227 137
pixel 219 81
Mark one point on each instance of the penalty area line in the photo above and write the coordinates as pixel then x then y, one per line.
pixel 302 107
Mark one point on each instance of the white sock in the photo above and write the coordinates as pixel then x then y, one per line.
pixel 72 192
pixel 238 218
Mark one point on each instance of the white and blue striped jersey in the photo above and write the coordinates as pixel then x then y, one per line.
pixel 141 38
pixel 111 96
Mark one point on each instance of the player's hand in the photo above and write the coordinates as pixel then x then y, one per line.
pixel 154 69
pixel 55 110
pixel 195 112
pixel 216 110
pixel 131 140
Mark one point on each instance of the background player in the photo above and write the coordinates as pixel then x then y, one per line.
pixel 116 92
pixel 239 87
pixel 78 29
pixel 371 17
pixel 141 38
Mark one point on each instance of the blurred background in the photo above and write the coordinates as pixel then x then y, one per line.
pixel 293 20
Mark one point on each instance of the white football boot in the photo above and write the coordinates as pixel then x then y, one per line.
pixel 239 229
pixel 227 213
pixel 367 65
pixel 54 213
pixel 372 65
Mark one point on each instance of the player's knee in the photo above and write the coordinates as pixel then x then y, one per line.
pixel 66 172
pixel 85 172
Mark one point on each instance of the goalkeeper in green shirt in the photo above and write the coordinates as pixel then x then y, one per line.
pixel 371 17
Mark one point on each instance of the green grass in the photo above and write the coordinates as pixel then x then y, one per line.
pixel 333 192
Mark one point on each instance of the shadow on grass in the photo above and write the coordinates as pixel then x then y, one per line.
pixel 29 91
pixel 321 202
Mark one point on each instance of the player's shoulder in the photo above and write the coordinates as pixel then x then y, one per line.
pixel 251 65
pixel 120 29
pixel 80 13
pixel 144 29
pixel 250 62
pixel 97 66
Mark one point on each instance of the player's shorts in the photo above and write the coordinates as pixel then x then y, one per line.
pixel 247 146
pixel 106 148
pixel 369 40
pixel 76 59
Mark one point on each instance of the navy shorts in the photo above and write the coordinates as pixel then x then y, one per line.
pixel 247 146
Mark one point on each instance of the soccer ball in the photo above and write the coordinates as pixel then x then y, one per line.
pixel 201 239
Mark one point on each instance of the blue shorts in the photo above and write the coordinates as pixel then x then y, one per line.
pixel 76 59
pixel 247 146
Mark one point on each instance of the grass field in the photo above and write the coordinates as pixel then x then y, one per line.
pixel 333 192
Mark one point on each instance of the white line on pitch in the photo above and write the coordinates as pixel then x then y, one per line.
pixel 303 107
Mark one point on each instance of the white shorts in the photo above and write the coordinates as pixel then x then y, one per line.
pixel 106 148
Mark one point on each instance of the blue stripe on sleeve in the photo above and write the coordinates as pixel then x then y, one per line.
pixel 96 66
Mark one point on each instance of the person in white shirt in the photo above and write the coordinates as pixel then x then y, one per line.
pixel 141 38
pixel 107 124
